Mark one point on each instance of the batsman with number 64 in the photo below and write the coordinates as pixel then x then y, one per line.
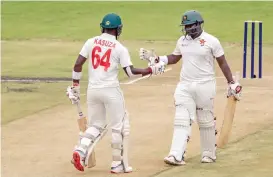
pixel 104 54
pixel 194 94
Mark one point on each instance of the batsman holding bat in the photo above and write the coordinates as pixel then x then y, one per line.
pixel 104 54
pixel 196 90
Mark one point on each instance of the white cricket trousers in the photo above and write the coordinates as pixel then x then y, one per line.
pixel 195 96
pixel 193 101
pixel 106 101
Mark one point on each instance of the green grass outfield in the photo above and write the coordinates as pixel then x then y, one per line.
pixel 42 39
pixel 142 20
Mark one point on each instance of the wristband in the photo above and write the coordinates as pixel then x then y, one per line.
pixel 163 59
pixel 76 75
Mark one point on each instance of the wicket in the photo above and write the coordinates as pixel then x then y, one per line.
pixel 252 61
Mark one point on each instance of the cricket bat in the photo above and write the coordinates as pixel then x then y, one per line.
pixel 227 123
pixel 228 119
pixel 82 123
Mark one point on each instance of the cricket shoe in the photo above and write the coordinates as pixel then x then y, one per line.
pixel 170 160
pixel 206 159
pixel 78 160
pixel 90 166
pixel 72 160
pixel 118 167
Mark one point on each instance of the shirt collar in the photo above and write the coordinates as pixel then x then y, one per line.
pixel 109 36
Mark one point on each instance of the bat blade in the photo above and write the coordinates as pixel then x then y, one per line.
pixel 82 124
pixel 92 160
pixel 227 123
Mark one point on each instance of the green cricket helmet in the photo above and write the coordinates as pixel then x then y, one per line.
pixel 111 21
pixel 191 17
pixel 192 20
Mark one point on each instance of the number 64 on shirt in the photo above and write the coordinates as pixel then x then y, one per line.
pixel 100 59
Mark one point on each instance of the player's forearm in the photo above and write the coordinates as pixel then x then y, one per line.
pixel 77 70
pixel 143 72
pixel 226 71
pixel 170 59
pixel 131 71
pixel 173 59
pixel 222 62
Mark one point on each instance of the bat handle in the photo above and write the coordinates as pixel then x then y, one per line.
pixel 237 76
pixel 79 109
pixel 152 51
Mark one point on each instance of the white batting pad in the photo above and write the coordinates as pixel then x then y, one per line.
pixel 208 141
pixel 181 133
pixel 120 141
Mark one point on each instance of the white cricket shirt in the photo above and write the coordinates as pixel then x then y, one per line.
pixel 198 57
pixel 104 54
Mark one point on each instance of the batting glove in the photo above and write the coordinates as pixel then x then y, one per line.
pixel 146 54
pixel 73 93
pixel 158 68
pixel 235 89
pixel 153 61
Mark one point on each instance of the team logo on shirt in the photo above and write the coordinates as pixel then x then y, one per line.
pixel 202 42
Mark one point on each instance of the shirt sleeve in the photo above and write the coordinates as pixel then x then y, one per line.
pixel 84 51
pixel 217 49
pixel 125 59
pixel 177 49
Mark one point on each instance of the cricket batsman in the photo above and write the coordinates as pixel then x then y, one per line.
pixel 194 94
pixel 104 54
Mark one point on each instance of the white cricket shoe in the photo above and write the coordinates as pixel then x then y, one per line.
pixel 78 160
pixel 206 159
pixel 170 160
pixel 117 167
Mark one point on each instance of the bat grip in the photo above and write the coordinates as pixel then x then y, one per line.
pixel 79 109
pixel 237 76
pixel 153 52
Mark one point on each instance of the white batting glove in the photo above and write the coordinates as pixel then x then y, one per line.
pixel 235 89
pixel 153 61
pixel 73 93
pixel 145 54
pixel 158 68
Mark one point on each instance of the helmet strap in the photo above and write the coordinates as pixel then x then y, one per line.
pixel 102 29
